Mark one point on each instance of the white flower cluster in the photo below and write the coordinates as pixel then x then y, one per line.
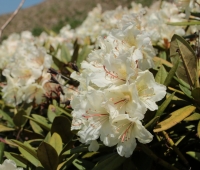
pixel 116 89
pixel 9 165
pixel 26 73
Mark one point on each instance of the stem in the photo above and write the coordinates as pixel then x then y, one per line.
pixel 160 161
pixel 175 148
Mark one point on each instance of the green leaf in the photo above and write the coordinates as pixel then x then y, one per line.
pixel 184 23
pixel 161 75
pixel 196 94
pixel 65 54
pixel 110 163
pixel 163 55
pixel 36 128
pixel 194 116
pixel 52 112
pixel 160 61
pixel 175 117
pixel 164 105
pixel 195 155
pixel 62 126
pixel 171 73
pixel 83 55
pixel 198 129
pixel 56 142
pixel 64 111
pixel 28 152
pixel 75 53
pixel 188 67
pixel 82 164
pixel 2 148
pixel 19 160
pixel 5 128
pixel 40 120
pixel 183 83
pixel 7 117
pixel 48 156
pixel 48 137
pixel 78 149
pixel 186 91
pixel 19 119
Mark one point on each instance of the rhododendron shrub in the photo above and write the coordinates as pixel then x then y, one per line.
pixel 117 91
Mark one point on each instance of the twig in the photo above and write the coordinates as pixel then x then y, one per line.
pixel 11 17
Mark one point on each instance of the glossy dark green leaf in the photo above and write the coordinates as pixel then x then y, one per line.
pixel 110 163
pixel 198 129
pixel 196 94
pixel 62 126
pixel 19 119
pixel 82 164
pixel 48 156
pixel 2 147
pixel 78 149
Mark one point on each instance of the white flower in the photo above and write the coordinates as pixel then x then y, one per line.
pixel 148 90
pixel 124 100
pixel 9 165
pixel 127 131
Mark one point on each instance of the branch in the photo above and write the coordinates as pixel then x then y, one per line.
pixel 11 17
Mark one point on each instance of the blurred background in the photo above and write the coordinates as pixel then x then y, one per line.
pixel 39 15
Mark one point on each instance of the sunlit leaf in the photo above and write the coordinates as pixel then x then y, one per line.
pixel 195 155
pixel 40 120
pixel 194 116
pixel 36 128
pixel 162 61
pixel 28 152
pixel 56 142
pixel 19 160
pixel 175 117
pixel 5 128
pixel 161 75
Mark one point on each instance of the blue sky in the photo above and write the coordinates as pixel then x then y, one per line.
pixel 7 6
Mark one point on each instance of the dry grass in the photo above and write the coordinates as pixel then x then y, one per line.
pixel 55 13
